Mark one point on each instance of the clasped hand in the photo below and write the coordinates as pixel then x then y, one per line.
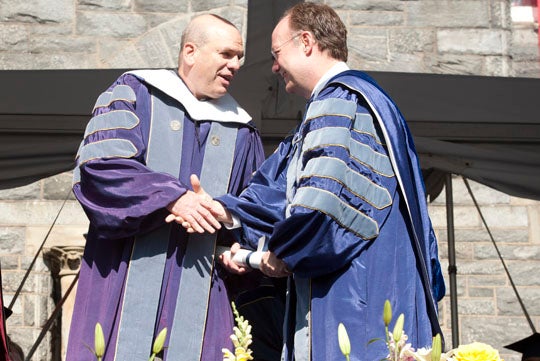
pixel 196 211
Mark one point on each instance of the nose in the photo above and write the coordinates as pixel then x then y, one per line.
pixel 275 66
pixel 234 64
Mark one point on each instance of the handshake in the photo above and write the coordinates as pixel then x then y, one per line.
pixel 197 212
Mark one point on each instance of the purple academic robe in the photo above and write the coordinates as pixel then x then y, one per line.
pixel 123 198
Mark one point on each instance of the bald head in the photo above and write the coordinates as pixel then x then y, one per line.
pixel 210 54
pixel 200 27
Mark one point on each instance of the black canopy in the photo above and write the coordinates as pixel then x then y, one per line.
pixel 485 128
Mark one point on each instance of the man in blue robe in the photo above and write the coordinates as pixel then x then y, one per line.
pixel 341 203
pixel 122 182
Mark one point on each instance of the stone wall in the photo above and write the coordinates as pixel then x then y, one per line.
pixel 475 37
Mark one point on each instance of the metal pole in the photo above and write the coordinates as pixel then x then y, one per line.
pixel 452 269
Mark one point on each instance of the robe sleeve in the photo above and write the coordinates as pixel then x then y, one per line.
pixel 119 193
pixel 263 202
pixel 343 190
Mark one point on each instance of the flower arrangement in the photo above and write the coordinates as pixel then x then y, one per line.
pixel 400 350
pixel 241 339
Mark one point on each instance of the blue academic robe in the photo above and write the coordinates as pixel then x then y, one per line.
pixel 123 198
pixel 342 203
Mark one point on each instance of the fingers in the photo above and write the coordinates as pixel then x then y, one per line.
pixel 195 183
pixel 226 260
pixel 273 266
pixel 191 208
pixel 209 218
pixel 199 224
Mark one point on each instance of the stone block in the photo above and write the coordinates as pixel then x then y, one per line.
pixel 497 66
pixel 448 14
pixel 368 48
pixel 65 44
pixel 29 213
pixel 12 280
pixel 152 47
pixel 480 234
pixel 206 5
pixel 524 44
pixel 126 56
pixel 366 5
pixel 508 304
pixel 464 64
pixel 153 20
pixel 65 235
pixel 164 6
pixel 30 308
pixel 120 25
pixel 376 18
pixel 526 69
pixel 9 262
pixel 470 41
pixel 508 217
pixel 406 40
pixel 38 11
pixel 468 306
pixel 500 14
pixel 49 29
pixel 481 292
pixel 487 280
pixel 487 251
pixel 30 61
pixel 413 63
pixel 99 5
pixel 30 191
pixel 463 251
pixel 12 240
pixel 479 268
pixel 58 187
pixel 14 37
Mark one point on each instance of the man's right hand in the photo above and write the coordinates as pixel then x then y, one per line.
pixel 191 210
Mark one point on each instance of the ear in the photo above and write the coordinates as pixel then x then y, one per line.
pixel 308 42
pixel 189 53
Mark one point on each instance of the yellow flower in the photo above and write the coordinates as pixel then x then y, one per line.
pixel 159 341
pixel 476 351
pixel 344 342
pixel 398 327
pixel 241 339
pixel 436 348
pixel 99 341
pixel 387 313
pixel 228 355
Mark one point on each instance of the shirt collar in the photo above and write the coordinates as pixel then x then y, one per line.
pixel 333 71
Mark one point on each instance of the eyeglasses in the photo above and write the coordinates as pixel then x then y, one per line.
pixel 276 51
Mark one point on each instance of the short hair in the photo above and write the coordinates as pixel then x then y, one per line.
pixel 194 33
pixel 324 23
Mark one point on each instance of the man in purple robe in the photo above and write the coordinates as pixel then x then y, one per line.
pixel 152 129
pixel 341 203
